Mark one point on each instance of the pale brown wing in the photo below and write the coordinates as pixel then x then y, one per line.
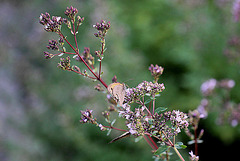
pixel 119 93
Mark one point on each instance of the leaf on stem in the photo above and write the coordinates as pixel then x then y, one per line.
pixel 162 149
pixel 138 139
pixel 180 145
pixel 160 109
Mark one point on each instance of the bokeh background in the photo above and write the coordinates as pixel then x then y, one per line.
pixel 40 104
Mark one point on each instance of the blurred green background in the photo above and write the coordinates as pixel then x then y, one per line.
pixel 40 104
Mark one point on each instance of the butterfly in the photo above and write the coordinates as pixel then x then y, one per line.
pixel 117 90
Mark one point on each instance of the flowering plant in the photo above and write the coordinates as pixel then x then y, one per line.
pixel 157 126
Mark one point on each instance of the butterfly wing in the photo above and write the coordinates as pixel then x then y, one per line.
pixel 119 93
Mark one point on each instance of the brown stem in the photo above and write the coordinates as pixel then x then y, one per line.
pixel 149 142
pixel 75 37
pixel 195 139
pixel 96 76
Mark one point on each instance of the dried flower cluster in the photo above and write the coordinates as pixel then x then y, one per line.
pixel 71 12
pixel 134 94
pixel 86 56
pixel 102 28
pixel 54 24
pixel 51 24
pixel 156 71
pixel 65 63
pixel 163 125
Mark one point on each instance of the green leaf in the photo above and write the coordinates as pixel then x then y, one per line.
pixel 147 101
pixel 193 142
pixel 147 94
pixel 161 150
pixel 160 109
pixel 60 54
pixel 138 138
pixel 179 145
pixel 109 131
pixel 112 123
pixel 157 95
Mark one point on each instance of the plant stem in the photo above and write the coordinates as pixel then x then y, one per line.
pixel 75 37
pixel 195 139
pixel 180 156
pixel 100 63
pixel 150 138
pixel 153 105
pixel 149 142
pixel 97 77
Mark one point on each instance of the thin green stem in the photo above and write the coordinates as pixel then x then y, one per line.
pixel 179 155
pixel 153 105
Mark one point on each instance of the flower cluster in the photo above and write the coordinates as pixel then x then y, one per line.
pixel 134 94
pixel 197 114
pixel 156 71
pixel 86 56
pixel 51 24
pixel 102 28
pixel 53 45
pixel 232 49
pixel 65 63
pixel 193 157
pixel 71 12
pixel 48 55
pixel 235 116
pixel 179 120
pixel 163 125
pixel 87 117
pixel 208 86
pixel 236 10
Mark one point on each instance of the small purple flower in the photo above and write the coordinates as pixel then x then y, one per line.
pixel 50 25
pixel 87 116
pixel 236 10
pixel 102 28
pixel 71 12
pixel 208 86
pixel 53 45
pixel 48 55
pixel 102 128
pixel 149 88
pixel 193 157
pixel 65 63
pixel 202 112
pixel 227 83
pixel 156 71
pixel 179 119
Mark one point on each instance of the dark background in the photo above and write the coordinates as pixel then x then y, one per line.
pixel 40 104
